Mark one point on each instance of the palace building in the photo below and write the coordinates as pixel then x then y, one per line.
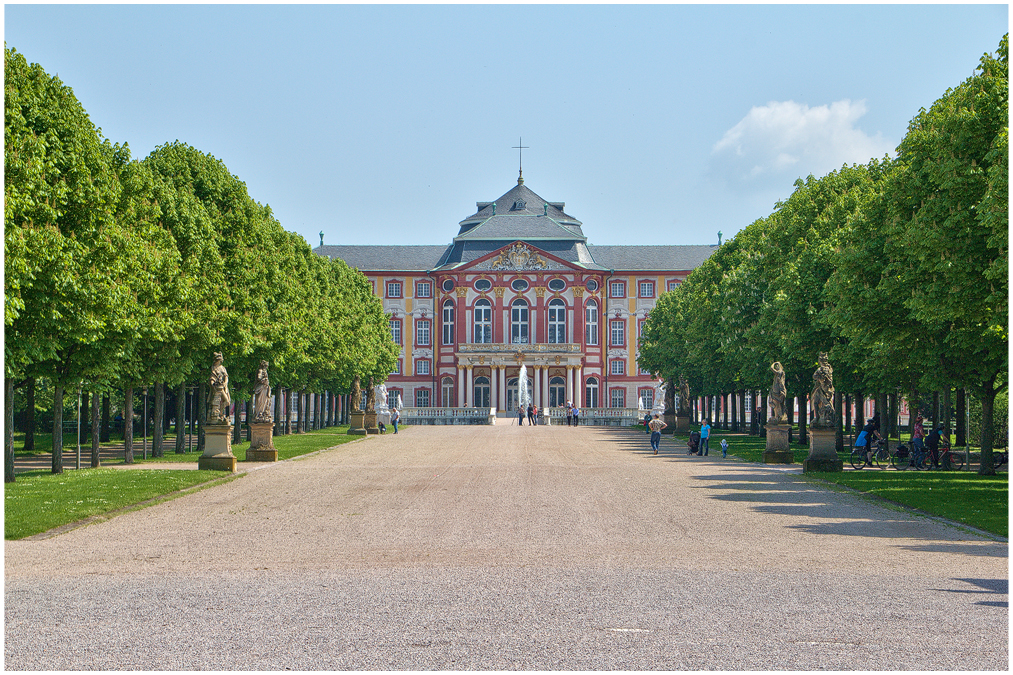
pixel 520 285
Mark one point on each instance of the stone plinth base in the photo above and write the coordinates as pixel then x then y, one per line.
pixel 217 449
pixel 369 422
pixel 778 457
pixel 670 420
pixel 822 451
pixel 262 443
pixel 356 423
pixel 778 450
pixel 682 422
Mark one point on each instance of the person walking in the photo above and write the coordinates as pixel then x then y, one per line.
pixel 531 415
pixel 656 425
pixel 918 441
pixel 705 435
pixel 520 416
pixel 569 413
pixel 395 416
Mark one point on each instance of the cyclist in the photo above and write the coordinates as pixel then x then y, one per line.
pixel 932 443
pixel 864 439
pixel 918 442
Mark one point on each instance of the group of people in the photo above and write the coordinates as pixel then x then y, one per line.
pixel 572 414
pixel 938 437
pixel 699 441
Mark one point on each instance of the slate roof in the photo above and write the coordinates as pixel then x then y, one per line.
pixel 387 258
pixel 520 215
pixel 651 257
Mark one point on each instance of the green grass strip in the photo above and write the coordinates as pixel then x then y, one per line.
pixel 40 500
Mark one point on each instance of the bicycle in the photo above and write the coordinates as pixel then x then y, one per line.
pixel 880 457
pixel 956 461
pixel 902 460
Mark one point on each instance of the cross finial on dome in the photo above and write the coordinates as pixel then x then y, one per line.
pixel 520 148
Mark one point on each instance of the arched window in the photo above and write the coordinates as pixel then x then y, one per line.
pixel 448 322
pixel 591 322
pixel 483 322
pixel 557 322
pixel 591 392
pixel 483 393
pixel 557 392
pixel 519 322
pixel 447 392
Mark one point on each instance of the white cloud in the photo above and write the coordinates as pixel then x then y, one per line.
pixel 786 140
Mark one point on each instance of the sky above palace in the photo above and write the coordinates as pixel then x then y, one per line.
pixel 381 124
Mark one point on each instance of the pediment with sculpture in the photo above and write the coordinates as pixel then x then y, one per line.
pixel 519 257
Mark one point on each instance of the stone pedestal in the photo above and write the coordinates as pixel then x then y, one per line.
pixel 369 422
pixel 682 422
pixel 822 451
pixel 217 449
pixel 357 423
pixel 778 451
pixel 671 421
pixel 262 443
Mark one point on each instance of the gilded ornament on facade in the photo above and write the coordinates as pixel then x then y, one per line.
pixel 519 257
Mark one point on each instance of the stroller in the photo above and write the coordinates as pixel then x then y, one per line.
pixel 694 442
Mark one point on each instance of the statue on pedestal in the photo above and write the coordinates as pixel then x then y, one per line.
pixel 777 393
pixel 823 393
pixel 659 398
pixel 262 396
pixel 684 401
pixel 356 395
pixel 220 398
pixel 371 397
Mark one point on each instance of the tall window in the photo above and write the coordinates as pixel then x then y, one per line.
pixel 422 332
pixel 483 393
pixel 519 322
pixel 422 367
pixel 617 289
pixel 591 322
pixel 617 329
pixel 448 323
pixel 557 322
pixel 557 392
pixel 647 396
pixel 424 289
pixel 421 398
pixel 617 367
pixel 397 368
pixel 647 289
pixel 395 331
pixel 392 395
pixel 618 398
pixel 393 289
pixel 591 392
pixel 483 322
pixel 447 392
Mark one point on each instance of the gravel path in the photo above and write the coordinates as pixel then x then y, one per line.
pixel 460 548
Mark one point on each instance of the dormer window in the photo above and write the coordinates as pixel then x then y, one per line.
pixel 518 205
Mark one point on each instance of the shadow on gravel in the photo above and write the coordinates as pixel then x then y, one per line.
pixel 985 587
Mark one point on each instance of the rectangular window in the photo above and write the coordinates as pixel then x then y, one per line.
pixel 392 397
pixel 421 398
pixel 395 331
pixel 647 396
pixel 617 331
pixel 673 284
pixel 393 289
pixel 422 367
pixel 647 289
pixel 591 324
pixel 618 367
pixel 397 368
pixel 617 398
pixel 617 289
pixel 643 371
pixel 422 332
pixel 448 324
pixel 424 289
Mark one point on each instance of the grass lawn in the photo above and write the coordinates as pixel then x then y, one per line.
pixel 41 500
pixel 961 496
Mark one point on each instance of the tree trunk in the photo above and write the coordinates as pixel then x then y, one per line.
pixel 859 412
pixel 157 435
pixel 288 411
pixel 277 411
pixel 300 413
pixel 884 418
pixel 128 425
pixel 935 410
pixel 249 417
pixel 237 427
pixel 9 430
pixel 987 467
pixel 961 439
pixel 181 419
pixel 803 420
pixel 894 417
pixel 57 427
pixel 104 435
pixel 29 415
pixel 946 409
pixel 202 413
pixel 95 431
pixel 838 421
pixel 847 414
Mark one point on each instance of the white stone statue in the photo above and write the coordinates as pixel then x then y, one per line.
pixel 659 398
pixel 382 410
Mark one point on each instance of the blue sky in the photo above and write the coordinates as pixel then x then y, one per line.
pixel 385 124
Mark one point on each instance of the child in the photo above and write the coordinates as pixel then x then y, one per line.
pixel 724 447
